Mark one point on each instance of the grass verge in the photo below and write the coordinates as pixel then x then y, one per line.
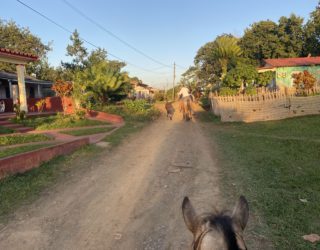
pixel 23 188
pixel 122 133
pixel 56 122
pixel 275 164
pixel 23 138
pixel 17 150
pixel 4 130
pixel 88 131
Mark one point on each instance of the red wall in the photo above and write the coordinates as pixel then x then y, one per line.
pixel 53 104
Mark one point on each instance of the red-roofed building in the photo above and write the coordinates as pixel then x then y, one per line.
pixel 285 67
pixel 20 59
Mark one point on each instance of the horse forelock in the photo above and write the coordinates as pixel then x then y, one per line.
pixel 218 227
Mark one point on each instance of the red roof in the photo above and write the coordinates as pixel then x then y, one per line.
pixel 18 54
pixel 290 62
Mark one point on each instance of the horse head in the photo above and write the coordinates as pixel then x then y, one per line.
pixel 213 231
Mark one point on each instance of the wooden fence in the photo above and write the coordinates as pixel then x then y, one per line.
pixel 265 106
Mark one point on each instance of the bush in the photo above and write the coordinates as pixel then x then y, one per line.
pixel 40 105
pixel 205 102
pixel 227 91
pixel 138 110
pixel 159 96
pixel 137 105
pixel 20 114
pixel 250 90
pixel 79 114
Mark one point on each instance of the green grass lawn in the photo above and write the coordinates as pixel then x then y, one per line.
pixel 56 122
pixel 17 150
pixel 23 138
pixel 88 131
pixel 274 164
pixel 4 130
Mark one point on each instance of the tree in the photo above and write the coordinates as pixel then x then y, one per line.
pixel 79 54
pixel 63 89
pixel 261 41
pixel 265 78
pixel 100 80
pixel 312 33
pixel 77 51
pixel 215 58
pixel 225 50
pixel 291 35
pixel 44 71
pixel 303 81
pixel 267 39
pixel 242 74
pixel 21 39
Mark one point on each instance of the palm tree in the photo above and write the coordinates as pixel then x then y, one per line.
pixel 101 80
pixel 225 48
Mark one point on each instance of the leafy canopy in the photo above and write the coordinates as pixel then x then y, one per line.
pixel 21 39
pixel 216 57
pixel 100 78
pixel 240 75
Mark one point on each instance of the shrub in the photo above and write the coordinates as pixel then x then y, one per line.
pixel 80 114
pixel 224 91
pixel 303 81
pixel 251 90
pixel 205 102
pixel 136 106
pixel 20 114
pixel 138 110
pixel 40 104
pixel 159 96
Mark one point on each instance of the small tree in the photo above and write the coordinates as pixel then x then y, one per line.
pixel 240 75
pixel 265 78
pixel 63 89
pixel 101 80
pixel 303 81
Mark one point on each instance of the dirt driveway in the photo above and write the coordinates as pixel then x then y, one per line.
pixel 128 199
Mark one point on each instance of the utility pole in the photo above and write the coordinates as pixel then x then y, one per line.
pixel 166 89
pixel 174 78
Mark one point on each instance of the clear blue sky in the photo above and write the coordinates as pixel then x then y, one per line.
pixel 167 30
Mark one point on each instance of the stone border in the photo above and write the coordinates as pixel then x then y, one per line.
pixel 23 162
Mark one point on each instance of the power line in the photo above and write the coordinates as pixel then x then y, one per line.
pixel 114 35
pixel 181 67
pixel 88 42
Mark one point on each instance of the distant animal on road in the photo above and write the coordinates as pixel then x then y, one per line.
pixel 217 231
pixel 170 110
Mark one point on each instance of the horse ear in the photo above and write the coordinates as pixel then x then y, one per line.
pixel 189 214
pixel 240 213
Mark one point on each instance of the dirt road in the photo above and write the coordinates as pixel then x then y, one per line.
pixel 128 199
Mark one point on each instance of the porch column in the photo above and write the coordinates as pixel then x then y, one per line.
pixel 22 87
pixel 15 93
pixel 39 91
